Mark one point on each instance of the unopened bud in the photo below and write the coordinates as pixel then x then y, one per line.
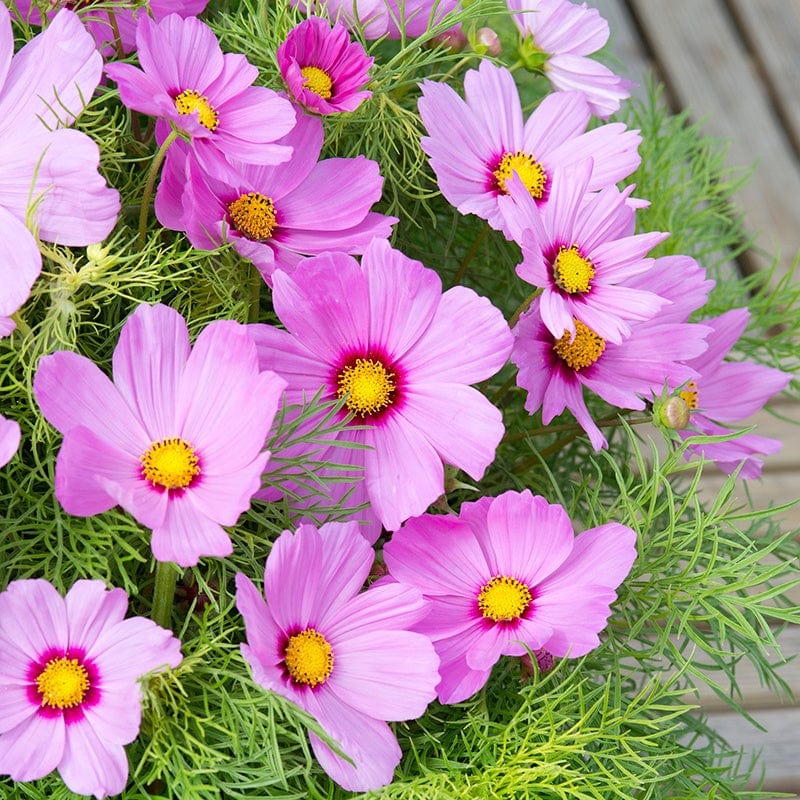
pixel 453 40
pixel 673 413
pixel 545 662
pixel 487 42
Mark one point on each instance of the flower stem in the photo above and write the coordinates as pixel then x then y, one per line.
pixel 150 184
pixel 470 255
pixel 22 326
pixel 524 307
pixel 256 283
pixel 164 593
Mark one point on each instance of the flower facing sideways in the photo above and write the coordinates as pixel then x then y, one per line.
pixel 177 439
pixel 322 68
pixel 507 576
pixel 334 651
pixel 382 336
pixel 69 682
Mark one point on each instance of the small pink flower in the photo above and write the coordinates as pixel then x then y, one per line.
pixel 557 35
pixel 69 682
pixel 177 439
pixel 323 69
pixel 9 439
pixel 506 576
pixel 187 81
pixel 475 145
pixel 333 650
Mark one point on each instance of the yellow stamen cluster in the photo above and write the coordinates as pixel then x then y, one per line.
pixel 63 683
pixel 253 215
pixel 368 386
pixel 170 463
pixel 309 658
pixel 689 395
pixel 189 101
pixel 504 599
pixel 571 271
pixel 529 170
pixel 318 81
pixel 583 350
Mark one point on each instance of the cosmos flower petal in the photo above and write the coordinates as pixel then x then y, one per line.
pixel 117 721
pixel 34 748
pixel 459 681
pixel 15 704
pixel 484 88
pixel 32 616
pixel 148 363
pixel 224 497
pixel 9 439
pixel 52 77
pixel 90 609
pixel 560 117
pixel 20 263
pixel 604 90
pixel 736 390
pixel 263 635
pixel 91 765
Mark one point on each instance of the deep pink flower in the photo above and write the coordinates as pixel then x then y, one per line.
pixel 385 336
pixel 9 439
pixel 554 370
pixel 188 82
pixel 177 439
pixel 578 248
pixel 69 682
pixel 727 392
pixel 275 215
pixel 506 576
pixel 379 18
pixel 47 171
pixel 323 69
pixel 475 145
pixel 334 651
pixel 557 36
pixel 96 15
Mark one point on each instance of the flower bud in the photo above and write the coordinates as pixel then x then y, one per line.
pixel 487 42
pixel 673 413
pixel 453 40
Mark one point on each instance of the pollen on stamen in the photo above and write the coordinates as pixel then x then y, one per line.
pixel 583 350
pixel 571 271
pixel 368 386
pixel 690 396
pixel 253 215
pixel 318 81
pixel 308 658
pixel 530 171
pixel 63 683
pixel 504 599
pixel 189 101
pixel 170 464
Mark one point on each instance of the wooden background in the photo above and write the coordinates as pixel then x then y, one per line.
pixel 735 65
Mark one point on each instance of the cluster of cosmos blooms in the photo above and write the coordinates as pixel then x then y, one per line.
pixel 177 438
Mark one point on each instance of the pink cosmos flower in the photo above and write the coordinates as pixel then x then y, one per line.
pixel 9 439
pixel 275 215
pixel 47 171
pixel 377 18
pixel 69 682
pixel 557 35
pixel 728 392
pixel 383 336
pixel 176 440
pixel 103 17
pixel 334 651
pixel 554 370
pixel 506 576
pixel 210 98
pixel 579 250
pixel 475 145
pixel 322 68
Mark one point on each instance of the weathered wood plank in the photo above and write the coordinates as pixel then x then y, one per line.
pixel 772 29
pixel 704 62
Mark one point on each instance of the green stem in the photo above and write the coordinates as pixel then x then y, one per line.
pixel 255 296
pixel 22 326
pixel 524 307
pixel 470 255
pixel 501 392
pixel 164 593
pixel 150 184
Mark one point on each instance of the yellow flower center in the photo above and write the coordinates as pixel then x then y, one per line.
pixel 689 395
pixel 189 101
pixel 529 170
pixel 583 350
pixel 309 658
pixel 318 81
pixel 170 463
pixel 63 683
pixel 367 385
pixel 571 271
pixel 504 599
pixel 253 216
